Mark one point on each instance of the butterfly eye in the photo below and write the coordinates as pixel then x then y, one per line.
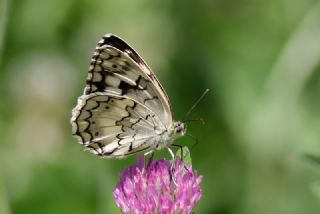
pixel 179 128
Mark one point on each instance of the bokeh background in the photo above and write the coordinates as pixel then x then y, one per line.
pixel 259 58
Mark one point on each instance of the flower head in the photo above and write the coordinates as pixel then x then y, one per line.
pixel 160 187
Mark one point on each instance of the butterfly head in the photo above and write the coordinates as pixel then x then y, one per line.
pixel 180 128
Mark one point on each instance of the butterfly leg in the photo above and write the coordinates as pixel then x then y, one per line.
pixel 180 147
pixel 147 153
pixel 171 153
pixel 172 166
pixel 194 139
pixel 181 150
pixel 146 164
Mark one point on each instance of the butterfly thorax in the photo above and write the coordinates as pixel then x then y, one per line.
pixel 165 139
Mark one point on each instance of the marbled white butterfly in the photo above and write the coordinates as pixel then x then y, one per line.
pixel 124 109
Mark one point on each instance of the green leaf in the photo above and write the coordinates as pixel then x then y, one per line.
pixel 186 157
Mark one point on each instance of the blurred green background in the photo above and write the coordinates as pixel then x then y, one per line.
pixel 259 58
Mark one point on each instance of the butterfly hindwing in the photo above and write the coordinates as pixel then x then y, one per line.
pixel 114 126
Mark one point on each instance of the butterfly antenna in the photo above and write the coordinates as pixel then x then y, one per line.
pixel 196 103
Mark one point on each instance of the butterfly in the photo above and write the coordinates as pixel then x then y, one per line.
pixel 124 109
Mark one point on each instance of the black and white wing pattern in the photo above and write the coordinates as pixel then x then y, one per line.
pixel 124 109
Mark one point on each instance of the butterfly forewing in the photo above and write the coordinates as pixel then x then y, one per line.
pixel 124 109
pixel 116 68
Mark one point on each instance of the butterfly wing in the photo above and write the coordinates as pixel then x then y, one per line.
pixel 117 69
pixel 124 109
pixel 113 126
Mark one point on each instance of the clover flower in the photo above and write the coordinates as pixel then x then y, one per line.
pixel 159 187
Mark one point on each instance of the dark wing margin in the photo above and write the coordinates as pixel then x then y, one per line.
pixel 121 45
